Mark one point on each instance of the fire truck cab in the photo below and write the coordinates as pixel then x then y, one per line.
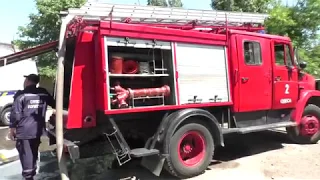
pixel 168 87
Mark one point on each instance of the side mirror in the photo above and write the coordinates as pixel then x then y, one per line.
pixel 302 65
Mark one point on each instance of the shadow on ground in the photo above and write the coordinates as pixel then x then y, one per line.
pixel 237 146
pixel 240 146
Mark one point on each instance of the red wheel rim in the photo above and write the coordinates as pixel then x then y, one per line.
pixel 309 125
pixel 191 148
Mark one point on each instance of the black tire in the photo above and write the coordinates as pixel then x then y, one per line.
pixel 174 164
pixel 4 118
pixel 294 132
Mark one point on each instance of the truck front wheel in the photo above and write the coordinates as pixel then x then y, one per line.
pixel 5 116
pixel 190 150
pixel 308 131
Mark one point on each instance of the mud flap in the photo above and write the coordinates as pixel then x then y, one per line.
pixel 153 163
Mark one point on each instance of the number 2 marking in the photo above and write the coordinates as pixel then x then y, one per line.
pixel 287 89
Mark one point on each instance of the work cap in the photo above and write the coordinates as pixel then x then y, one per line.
pixel 33 77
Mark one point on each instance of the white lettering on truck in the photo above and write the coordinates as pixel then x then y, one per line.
pixel 286 101
pixel 287 89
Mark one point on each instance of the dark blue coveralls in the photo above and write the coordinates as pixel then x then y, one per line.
pixel 28 117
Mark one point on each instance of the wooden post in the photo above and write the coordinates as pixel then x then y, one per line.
pixel 59 99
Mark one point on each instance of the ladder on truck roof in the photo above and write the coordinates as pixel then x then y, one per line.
pixel 167 16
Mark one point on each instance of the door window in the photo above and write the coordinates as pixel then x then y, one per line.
pixel 288 56
pixel 279 54
pixel 252 53
pixel 283 55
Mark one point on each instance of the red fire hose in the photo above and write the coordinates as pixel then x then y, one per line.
pixel 116 65
pixel 130 67
pixel 124 94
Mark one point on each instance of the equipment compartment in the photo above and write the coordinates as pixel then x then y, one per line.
pixel 140 73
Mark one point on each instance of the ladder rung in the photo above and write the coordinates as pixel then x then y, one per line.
pixel 153 14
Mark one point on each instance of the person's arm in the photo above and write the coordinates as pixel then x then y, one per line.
pixel 18 93
pixel 16 110
pixel 50 100
pixel 15 116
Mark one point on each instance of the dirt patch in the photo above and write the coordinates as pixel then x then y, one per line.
pixel 225 165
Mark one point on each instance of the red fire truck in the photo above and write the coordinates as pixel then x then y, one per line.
pixel 177 80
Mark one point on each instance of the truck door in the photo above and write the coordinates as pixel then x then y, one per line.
pixel 254 77
pixel 285 76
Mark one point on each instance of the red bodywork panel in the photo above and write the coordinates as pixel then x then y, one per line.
pixel 307 90
pixel 268 85
pixel 100 73
pixel 302 102
pixel 285 82
pixel 177 74
pixel 165 34
pixel 82 94
pixel 89 93
pixel 253 86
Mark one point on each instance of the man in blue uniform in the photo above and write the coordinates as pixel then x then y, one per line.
pixel 27 122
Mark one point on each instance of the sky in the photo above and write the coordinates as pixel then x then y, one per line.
pixel 14 13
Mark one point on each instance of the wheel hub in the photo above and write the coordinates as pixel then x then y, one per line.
pixel 7 116
pixel 309 125
pixel 191 148
pixel 187 148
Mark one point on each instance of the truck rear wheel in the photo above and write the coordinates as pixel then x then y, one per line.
pixel 5 116
pixel 308 131
pixel 190 150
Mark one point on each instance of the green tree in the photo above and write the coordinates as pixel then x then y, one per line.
pixel 300 22
pixel 44 26
pixel 241 5
pixel 175 3
pixel 157 3
pixel 165 3
pixel 312 57
pixel 280 20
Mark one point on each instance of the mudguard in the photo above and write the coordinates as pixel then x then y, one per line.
pixel 178 117
pixel 305 95
pixel 169 124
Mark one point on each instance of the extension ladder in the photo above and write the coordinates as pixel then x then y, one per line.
pixel 164 15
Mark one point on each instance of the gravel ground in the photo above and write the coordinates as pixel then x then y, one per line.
pixel 258 156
